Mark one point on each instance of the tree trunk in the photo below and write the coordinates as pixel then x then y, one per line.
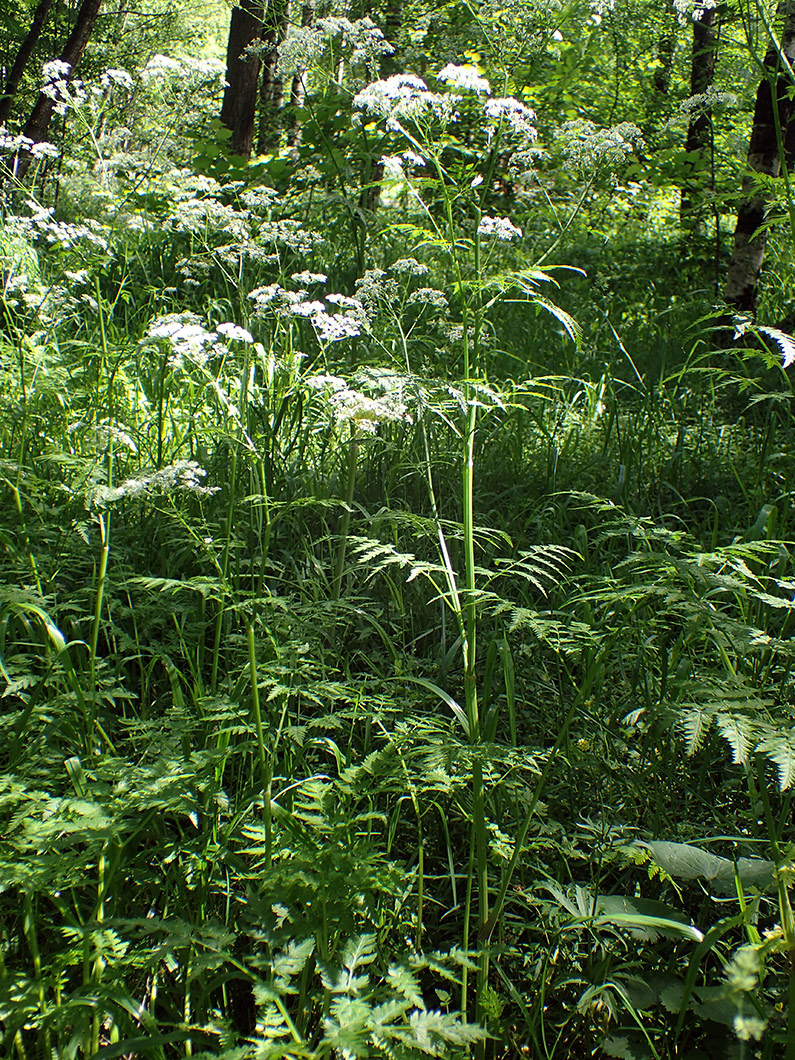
pixel 239 106
pixel 21 60
pixel 298 86
pixel 39 121
pixel 271 94
pixel 699 131
pixel 772 103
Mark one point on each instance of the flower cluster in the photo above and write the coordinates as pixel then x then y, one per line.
pixel 375 288
pixel 112 434
pixel 703 102
pixel 307 277
pixel 455 334
pixel 186 335
pixel 429 296
pixel 260 199
pixel 405 98
pixel 519 118
pixel 198 216
pixel 57 84
pixel 329 326
pixel 304 47
pixel 349 405
pixel 367 42
pixel 499 228
pixel 113 79
pixel 180 477
pixel 14 144
pixel 189 340
pixel 334 327
pixel 587 146
pixel 55 76
pixel 189 71
pixel 233 230
pixel 408 267
pixel 42 226
pixel 234 333
pixel 693 10
pixel 289 234
pixel 411 158
pixel 465 78
pixel 55 72
pixel 393 172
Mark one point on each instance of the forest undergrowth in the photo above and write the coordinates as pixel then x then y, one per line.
pixel 396 600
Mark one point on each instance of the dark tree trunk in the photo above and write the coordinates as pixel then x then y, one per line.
pixel 271 94
pixel 38 123
pixel 772 101
pixel 21 61
pixel 239 106
pixel 699 131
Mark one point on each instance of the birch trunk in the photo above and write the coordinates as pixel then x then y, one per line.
pixel 298 86
pixel 699 130
pixel 271 96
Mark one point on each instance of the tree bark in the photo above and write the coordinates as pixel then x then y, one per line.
pixel 764 157
pixel 239 106
pixel 39 121
pixel 298 86
pixel 22 57
pixel 271 94
pixel 699 131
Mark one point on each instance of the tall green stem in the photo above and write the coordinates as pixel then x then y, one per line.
pixel 265 765
pixel 99 964
pixel 230 522
pixel 345 526
pixel 16 486
pixel 104 519
pixel 472 372
pixel 104 538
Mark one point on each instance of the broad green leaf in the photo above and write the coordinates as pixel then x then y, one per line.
pixel 686 862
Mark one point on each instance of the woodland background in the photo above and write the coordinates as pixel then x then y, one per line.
pixel 396 436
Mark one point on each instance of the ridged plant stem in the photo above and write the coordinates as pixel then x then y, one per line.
pixel 104 521
pixel 345 524
pixel 230 522
pixel 263 755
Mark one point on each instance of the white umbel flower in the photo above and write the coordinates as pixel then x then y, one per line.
pixel 466 78
pixel 499 228
pixel 235 333
pixel 693 9
pixel 514 113
pixel 404 97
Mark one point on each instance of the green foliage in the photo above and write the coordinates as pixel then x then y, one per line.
pixel 393 661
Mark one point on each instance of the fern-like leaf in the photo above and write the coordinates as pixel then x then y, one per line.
pixel 695 724
pixel 738 731
pixel 780 750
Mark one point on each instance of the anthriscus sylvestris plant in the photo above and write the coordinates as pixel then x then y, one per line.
pixel 452 196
